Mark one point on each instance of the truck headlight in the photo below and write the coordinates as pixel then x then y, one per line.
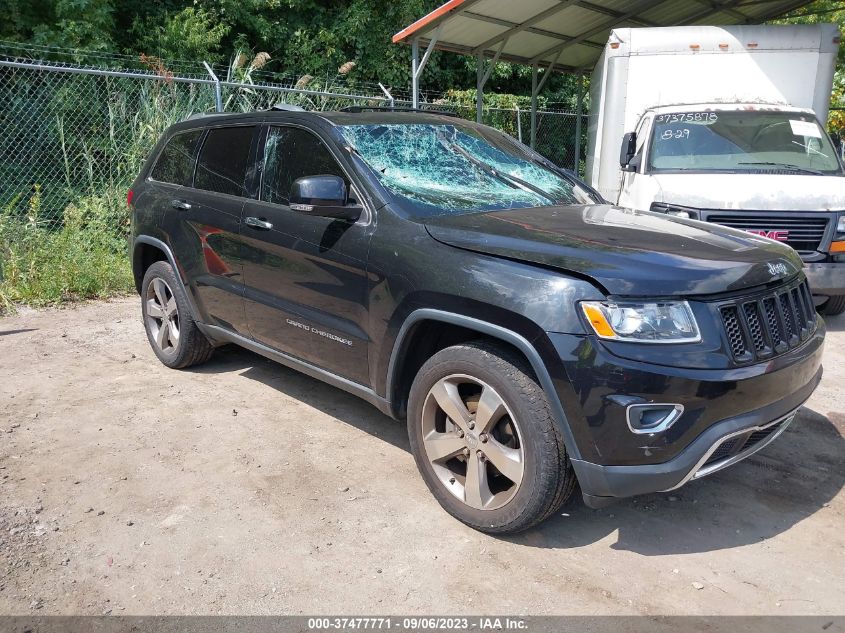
pixel 674 209
pixel 840 225
pixel 644 322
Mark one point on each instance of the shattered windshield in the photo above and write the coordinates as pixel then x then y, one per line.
pixel 445 168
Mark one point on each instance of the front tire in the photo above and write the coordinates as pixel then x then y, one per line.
pixel 485 441
pixel 168 320
pixel 833 306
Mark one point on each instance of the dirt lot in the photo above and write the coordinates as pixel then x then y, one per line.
pixel 242 487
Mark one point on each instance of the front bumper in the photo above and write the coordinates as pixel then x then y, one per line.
pixel 728 414
pixel 720 446
pixel 826 279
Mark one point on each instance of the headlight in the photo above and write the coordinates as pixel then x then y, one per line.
pixel 674 209
pixel 840 226
pixel 658 322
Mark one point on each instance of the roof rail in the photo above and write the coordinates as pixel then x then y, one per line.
pixel 389 109
pixel 200 115
pixel 287 107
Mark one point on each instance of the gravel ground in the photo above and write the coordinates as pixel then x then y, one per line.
pixel 242 487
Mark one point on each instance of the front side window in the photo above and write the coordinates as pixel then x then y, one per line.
pixel 292 153
pixel 175 164
pixel 223 160
pixel 740 141
pixel 441 168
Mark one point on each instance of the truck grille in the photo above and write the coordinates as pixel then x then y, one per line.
pixel 803 234
pixel 769 325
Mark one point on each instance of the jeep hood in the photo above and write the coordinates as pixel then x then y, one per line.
pixel 629 253
pixel 757 192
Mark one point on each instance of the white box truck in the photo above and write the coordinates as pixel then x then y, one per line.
pixel 725 125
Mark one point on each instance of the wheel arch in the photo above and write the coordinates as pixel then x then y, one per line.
pixel 147 250
pixel 406 358
pixel 145 255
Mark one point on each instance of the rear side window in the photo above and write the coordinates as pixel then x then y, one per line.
pixel 223 160
pixel 175 164
pixel 292 153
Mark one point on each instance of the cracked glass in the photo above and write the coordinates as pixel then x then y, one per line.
pixel 446 169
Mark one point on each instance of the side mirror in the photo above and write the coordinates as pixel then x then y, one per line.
pixel 323 196
pixel 627 151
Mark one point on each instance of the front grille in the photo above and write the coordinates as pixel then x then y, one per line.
pixel 768 325
pixel 725 449
pixel 758 436
pixel 803 234
pixel 741 443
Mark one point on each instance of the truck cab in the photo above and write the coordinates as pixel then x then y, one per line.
pixel 726 125
pixel 761 168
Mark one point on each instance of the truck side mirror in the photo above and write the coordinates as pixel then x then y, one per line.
pixel 626 153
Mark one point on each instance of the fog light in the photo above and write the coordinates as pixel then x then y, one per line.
pixel 652 418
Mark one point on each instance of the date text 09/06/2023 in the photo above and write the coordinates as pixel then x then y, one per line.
pixel 417 623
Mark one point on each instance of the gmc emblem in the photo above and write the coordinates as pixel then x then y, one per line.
pixel 778 236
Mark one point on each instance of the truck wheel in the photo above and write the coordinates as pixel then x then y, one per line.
pixel 170 326
pixel 485 441
pixel 833 306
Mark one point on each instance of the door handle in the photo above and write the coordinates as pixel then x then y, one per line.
pixel 180 204
pixel 258 223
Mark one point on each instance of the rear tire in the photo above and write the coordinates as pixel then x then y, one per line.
pixel 168 320
pixel 476 408
pixel 833 306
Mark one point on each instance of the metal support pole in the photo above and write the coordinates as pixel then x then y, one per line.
pixel 418 65
pixel 534 106
pixel 218 93
pixel 481 77
pixel 518 123
pixel 579 107
pixel 415 76
pixel 387 94
pixel 479 86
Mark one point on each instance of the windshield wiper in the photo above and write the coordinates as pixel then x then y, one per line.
pixel 508 179
pixel 804 170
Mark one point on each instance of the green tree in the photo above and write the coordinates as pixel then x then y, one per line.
pixel 192 33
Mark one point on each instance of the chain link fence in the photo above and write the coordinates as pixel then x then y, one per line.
pixel 71 132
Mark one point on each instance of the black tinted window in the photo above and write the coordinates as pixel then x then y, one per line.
pixel 292 153
pixel 176 162
pixel 223 160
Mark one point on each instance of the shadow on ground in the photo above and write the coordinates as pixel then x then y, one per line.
pixel 21 331
pixel 759 498
pixel 345 407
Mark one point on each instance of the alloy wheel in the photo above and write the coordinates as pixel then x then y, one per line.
pixel 472 441
pixel 162 315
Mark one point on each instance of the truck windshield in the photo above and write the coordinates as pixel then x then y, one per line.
pixel 740 141
pixel 445 168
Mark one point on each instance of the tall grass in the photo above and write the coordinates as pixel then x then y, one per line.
pixel 78 144
pixel 85 258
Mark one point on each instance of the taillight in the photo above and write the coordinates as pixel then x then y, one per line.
pixel 129 195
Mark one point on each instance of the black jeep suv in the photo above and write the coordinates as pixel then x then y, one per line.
pixel 532 335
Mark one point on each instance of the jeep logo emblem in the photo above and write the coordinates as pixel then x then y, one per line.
pixel 777 269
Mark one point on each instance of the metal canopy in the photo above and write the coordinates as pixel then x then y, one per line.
pixel 561 35
pixel 568 34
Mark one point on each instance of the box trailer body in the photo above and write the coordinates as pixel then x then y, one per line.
pixel 727 127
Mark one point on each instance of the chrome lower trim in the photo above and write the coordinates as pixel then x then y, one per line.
pixel 699 470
